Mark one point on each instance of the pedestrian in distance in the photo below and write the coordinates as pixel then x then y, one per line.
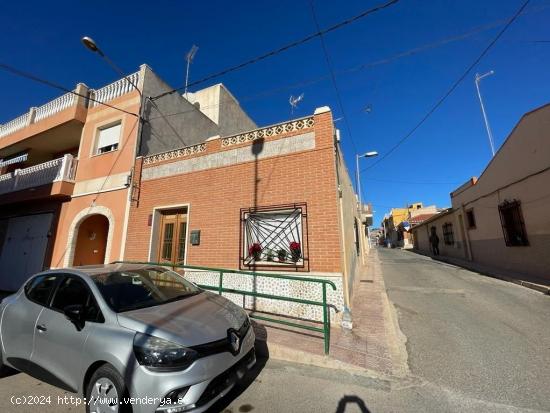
pixel 434 241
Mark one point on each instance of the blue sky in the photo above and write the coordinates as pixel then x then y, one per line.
pixel 44 38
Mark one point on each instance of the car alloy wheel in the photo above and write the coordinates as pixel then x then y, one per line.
pixel 104 397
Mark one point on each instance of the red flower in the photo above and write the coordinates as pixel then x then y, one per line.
pixel 255 248
pixel 295 246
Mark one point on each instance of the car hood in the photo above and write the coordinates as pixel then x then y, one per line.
pixel 194 320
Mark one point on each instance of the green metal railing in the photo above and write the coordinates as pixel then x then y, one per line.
pixel 325 330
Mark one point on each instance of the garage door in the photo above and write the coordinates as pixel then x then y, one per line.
pixel 23 249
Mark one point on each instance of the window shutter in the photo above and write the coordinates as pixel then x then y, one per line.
pixel 109 136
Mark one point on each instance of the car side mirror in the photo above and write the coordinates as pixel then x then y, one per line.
pixel 75 313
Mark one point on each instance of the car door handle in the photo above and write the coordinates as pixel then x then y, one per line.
pixel 41 327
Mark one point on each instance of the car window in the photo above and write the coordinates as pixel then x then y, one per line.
pixel 71 291
pixel 129 290
pixel 40 288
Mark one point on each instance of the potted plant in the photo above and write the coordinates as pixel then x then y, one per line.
pixel 281 255
pixel 295 251
pixel 255 251
pixel 269 255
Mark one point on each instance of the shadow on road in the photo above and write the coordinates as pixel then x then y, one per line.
pixel 346 400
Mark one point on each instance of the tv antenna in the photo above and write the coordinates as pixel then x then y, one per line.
pixel 189 57
pixel 294 102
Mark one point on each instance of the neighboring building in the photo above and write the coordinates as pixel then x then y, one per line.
pixel 66 168
pixel 246 201
pixel 502 219
pixel 397 223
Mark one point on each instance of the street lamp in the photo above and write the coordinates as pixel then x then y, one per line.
pixel 489 133
pixel 93 47
pixel 370 154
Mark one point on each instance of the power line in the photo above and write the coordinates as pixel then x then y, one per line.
pixel 453 87
pixel 286 47
pixel 387 60
pixel 46 82
pixel 332 76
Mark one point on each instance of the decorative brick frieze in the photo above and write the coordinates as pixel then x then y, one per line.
pixel 178 153
pixel 293 126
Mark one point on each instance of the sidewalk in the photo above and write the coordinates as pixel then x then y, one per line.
pixel 530 282
pixel 375 344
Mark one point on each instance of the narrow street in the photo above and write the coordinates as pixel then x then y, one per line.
pixel 473 336
pixel 474 344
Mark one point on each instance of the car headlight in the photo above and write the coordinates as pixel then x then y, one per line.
pixel 160 354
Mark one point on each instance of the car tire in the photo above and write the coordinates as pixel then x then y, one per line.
pixel 107 384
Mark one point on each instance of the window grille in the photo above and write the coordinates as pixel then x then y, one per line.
pixel 274 237
pixel 513 225
pixel 448 236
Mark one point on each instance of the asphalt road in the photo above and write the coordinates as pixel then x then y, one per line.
pixel 472 335
pixel 474 345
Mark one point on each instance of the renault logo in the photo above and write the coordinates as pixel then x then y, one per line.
pixel 234 341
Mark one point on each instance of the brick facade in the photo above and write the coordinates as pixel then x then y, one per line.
pixel 216 194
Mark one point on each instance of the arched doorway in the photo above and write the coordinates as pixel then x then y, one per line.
pixel 91 242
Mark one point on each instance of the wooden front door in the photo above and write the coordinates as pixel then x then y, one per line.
pixel 173 235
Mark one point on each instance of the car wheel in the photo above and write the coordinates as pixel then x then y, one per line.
pixel 106 391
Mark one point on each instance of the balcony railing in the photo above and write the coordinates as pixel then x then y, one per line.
pixel 14 125
pixel 61 169
pixel 114 90
pixel 35 115
pixel 104 94
pixel 54 106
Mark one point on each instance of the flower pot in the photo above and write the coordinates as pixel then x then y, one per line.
pixel 295 255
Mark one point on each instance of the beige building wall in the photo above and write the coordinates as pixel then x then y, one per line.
pixel 353 238
pixel 422 233
pixel 520 171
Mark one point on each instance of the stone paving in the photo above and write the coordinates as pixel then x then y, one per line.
pixel 375 342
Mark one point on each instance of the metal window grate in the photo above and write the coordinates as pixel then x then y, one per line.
pixel 513 226
pixel 274 236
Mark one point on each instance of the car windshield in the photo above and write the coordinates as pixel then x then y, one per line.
pixel 133 289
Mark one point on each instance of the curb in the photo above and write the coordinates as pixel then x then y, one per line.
pixel 284 353
pixel 533 286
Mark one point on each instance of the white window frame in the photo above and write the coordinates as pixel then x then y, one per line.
pixel 97 148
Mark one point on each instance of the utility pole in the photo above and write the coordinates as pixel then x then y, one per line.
pixel 487 126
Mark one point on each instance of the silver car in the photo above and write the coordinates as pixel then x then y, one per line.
pixel 127 338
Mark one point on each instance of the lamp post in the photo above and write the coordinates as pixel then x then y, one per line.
pixel 370 154
pixel 93 47
pixel 489 132
pixel 357 173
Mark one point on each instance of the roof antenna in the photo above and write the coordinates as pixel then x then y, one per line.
pixel 189 57
pixel 294 102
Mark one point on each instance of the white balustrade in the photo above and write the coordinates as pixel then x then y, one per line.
pixel 54 106
pixel 14 125
pixel 114 90
pixel 105 94
pixel 61 169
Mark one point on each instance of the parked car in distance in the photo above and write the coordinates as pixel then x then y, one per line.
pixel 127 337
